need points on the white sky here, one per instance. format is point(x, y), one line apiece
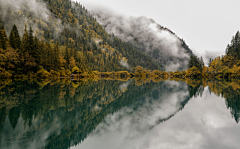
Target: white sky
point(206, 25)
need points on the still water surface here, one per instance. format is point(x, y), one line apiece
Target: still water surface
point(110, 114)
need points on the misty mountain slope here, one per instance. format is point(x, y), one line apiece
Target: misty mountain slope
point(149, 37)
point(69, 23)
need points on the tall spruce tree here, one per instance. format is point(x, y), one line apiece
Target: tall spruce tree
point(17, 37)
point(209, 63)
point(25, 43)
point(56, 57)
point(67, 57)
point(31, 49)
point(3, 38)
point(12, 40)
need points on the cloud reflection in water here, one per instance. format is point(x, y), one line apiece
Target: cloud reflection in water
point(204, 123)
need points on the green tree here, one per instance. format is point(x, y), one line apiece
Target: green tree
point(25, 41)
point(233, 49)
point(17, 37)
point(3, 38)
point(30, 47)
point(14, 38)
point(56, 57)
point(67, 57)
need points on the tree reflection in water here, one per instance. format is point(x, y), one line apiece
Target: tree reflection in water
point(62, 113)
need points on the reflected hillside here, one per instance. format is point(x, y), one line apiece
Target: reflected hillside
point(62, 113)
point(56, 111)
point(230, 90)
point(133, 123)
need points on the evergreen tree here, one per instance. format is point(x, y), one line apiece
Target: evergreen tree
point(233, 49)
point(12, 39)
point(25, 41)
point(209, 63)
point(17, 37)
point(195, 61)
point(37, 50)
point(3, 38)
point(201, 62)
point(67, 57)
point(31, 43)
point(47, 56)
point(56, 57)
point(191, 62)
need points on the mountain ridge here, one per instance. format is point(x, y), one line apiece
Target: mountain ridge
point(159, 42)
point(69, 27)
point(62, 37)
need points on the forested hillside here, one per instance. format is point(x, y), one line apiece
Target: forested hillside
point(224, 66)
point(227, 65)
point(157, 41)
point(60, 37)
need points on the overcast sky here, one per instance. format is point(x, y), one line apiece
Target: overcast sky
point(206, 25)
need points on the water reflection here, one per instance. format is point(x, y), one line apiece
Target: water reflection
point(230, 90)
point(116, 114)
point(61, 113)
point(204, 123)
point(133, 126)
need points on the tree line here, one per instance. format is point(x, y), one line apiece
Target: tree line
point(225, 66)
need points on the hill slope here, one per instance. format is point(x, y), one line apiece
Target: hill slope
point(82, 40)
point(149, 37)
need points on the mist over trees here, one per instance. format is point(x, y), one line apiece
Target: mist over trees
point(225, 66)
point(149, 37)
point(63, 37)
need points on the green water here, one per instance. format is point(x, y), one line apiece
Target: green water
point(110, 114)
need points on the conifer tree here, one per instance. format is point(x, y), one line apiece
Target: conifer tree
point(202, 62)
point(25, 43)
point(12, 40)
point(75, 53)
point(56, 57)
point(209, 63)
point(31, 44)
point(191, 62)
point(37, 49)
point(3, 38)
point(195, 61)
point(47, 56)
point(17, 37)
point(233, 49)
point(67, 57)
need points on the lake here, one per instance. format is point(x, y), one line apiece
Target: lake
point(114, 114)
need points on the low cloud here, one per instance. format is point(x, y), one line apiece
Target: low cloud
point(34, 13)
point(145, 34)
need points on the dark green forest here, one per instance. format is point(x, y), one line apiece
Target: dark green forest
point(70, 41)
